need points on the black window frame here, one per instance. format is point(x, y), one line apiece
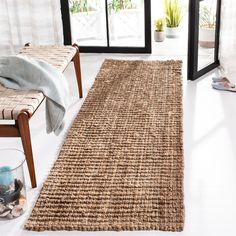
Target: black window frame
point(108, 49)
point(193, 72)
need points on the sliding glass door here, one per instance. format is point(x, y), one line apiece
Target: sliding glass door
point(204, 28)
point(88, 22)
point(126, 23)
point(108, 25)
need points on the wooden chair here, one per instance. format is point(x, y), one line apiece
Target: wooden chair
point(20, 106)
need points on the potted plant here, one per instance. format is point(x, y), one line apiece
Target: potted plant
point(159, 34)
point(207, 27)
point(173, 12)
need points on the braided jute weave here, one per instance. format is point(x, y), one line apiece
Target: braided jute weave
point(121, 166)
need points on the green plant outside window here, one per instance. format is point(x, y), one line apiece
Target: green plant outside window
point(77, 6)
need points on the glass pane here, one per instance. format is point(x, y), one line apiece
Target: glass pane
point(207, 32)
point(88, 22)
point(126, 23)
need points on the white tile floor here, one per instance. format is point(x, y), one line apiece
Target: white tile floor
point(210, 155)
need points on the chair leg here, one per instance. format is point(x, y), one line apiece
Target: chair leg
point(76, 61)
point(23, 124)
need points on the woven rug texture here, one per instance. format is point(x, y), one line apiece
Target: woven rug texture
point(121, 165)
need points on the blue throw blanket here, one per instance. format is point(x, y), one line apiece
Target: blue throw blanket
point(20, 72)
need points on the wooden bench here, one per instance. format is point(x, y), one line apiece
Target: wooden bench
point(20, 106)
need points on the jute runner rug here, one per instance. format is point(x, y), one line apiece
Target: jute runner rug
point(121, 166)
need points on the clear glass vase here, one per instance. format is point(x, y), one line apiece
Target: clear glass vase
point(12, 184)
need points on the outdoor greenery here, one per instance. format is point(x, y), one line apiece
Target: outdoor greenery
point(80, 6)
point(117, 5)
point(160, 24)
point(113, 5)
point(173, 13)
point(207, 17)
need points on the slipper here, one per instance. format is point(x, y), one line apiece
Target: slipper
point(224, 86)
point(223, 79)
